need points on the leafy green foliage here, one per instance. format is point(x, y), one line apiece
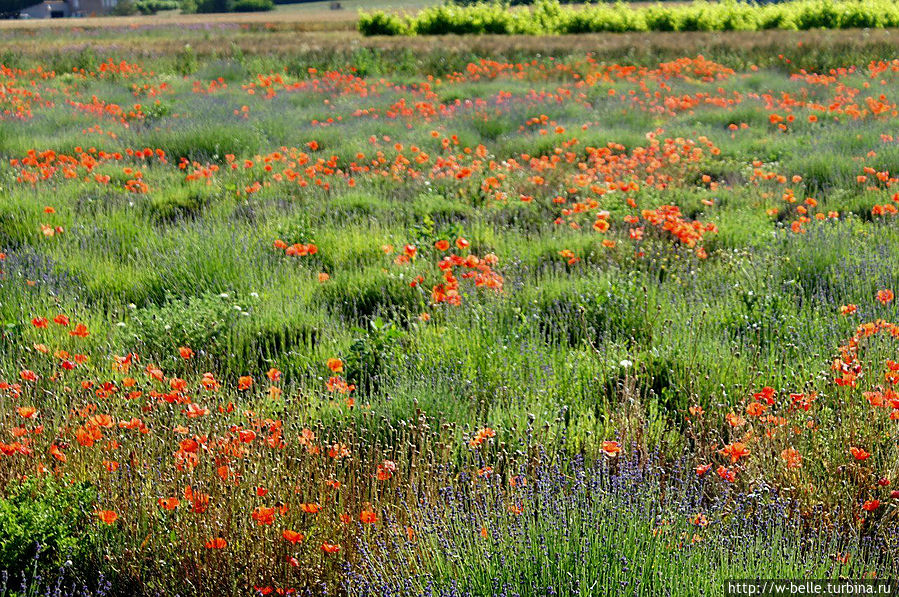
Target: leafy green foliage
point(44, 524)
point(151, 7)
point(550, 17)
point(374, 353)
point(252, 5)
point(200, 321)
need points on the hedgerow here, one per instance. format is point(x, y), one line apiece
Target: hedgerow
point(550, 17)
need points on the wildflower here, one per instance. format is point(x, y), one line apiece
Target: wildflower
point(27, 412)
point(791, 457)
point(756, 409)
point(766, 394)
point(386, 470)
point(871, 505)
point(848, 309)
point(330, 548)
point(168, 503)
point(263, 515)
point(735, 451)
point(481, 436)
point(726, 474)
point(735, 420)
point(611, 448)
point(107, 516)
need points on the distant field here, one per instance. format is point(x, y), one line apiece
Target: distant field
point(305, 16)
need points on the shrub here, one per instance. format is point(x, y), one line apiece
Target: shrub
point(252, 5)
point(551, 17)
point(46, 524)
point(198, 321)
point(382, 23)
point(151, 7)
point(215, 5)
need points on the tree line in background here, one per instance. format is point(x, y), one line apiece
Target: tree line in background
point(193, 6)
point(11, 9)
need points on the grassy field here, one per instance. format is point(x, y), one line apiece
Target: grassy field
point(292, 312)
point(304, 16)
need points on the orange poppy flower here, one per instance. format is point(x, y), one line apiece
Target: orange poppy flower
point(216, 543)
point(330, 548)
point(263, 515)
point(611, 448)
point(859, 453)
point(791, 458)
point(871, 505)
point(80, 331)
point(27, 412)
point(311, 508)
point(168, 503)
point(735, 451)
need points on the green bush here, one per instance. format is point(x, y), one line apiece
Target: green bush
point(215, 6)
point(196, 322)
point(47, 524)
point(548, 17)
point(382, 23)
point(151, 7)
point(252, 5)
